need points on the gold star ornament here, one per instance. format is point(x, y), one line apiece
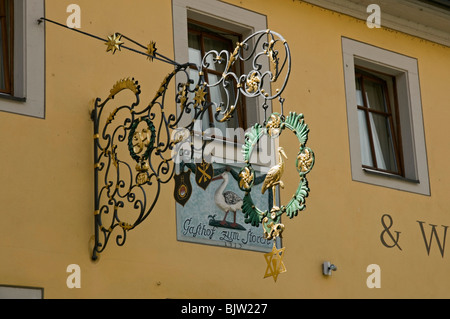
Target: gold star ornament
point(114, 42)
point(275, 265)
point(151, 50)
point(200, 96)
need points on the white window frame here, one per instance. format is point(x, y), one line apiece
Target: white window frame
point(405, 71)
point(225, 16)
point(29, 61)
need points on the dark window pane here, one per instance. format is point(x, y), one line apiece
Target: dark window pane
point(375, 96)
point(383, 142)
point(366, 153)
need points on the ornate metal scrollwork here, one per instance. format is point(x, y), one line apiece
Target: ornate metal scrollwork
point(129, 134)
point(260, 46)
point(149, 139)
point(136, 147)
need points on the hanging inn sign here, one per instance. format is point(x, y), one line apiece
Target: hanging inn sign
point(139, 149)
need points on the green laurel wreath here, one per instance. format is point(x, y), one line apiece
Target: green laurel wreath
point(255, 216)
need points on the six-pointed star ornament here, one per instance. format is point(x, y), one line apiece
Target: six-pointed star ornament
point(275, 265)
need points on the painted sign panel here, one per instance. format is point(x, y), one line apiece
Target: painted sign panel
point(213, 215)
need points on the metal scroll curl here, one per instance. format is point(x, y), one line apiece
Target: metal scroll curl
point(255, 50)
point(134, 152)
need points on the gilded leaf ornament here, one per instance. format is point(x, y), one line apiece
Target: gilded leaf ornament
point(247, 177)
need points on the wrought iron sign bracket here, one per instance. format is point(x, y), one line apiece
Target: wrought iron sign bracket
point(136, 147)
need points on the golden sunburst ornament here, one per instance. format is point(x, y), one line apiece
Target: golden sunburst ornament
point(114, 42)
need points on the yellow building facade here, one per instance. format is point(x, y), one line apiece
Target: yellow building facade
point(384, 231)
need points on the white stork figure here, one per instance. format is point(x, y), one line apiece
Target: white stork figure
point(227, 200)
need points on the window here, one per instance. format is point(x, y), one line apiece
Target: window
point(22, 57)
point(6, 50)
point(378, 128)
point(384, 114)
point(201, 39)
